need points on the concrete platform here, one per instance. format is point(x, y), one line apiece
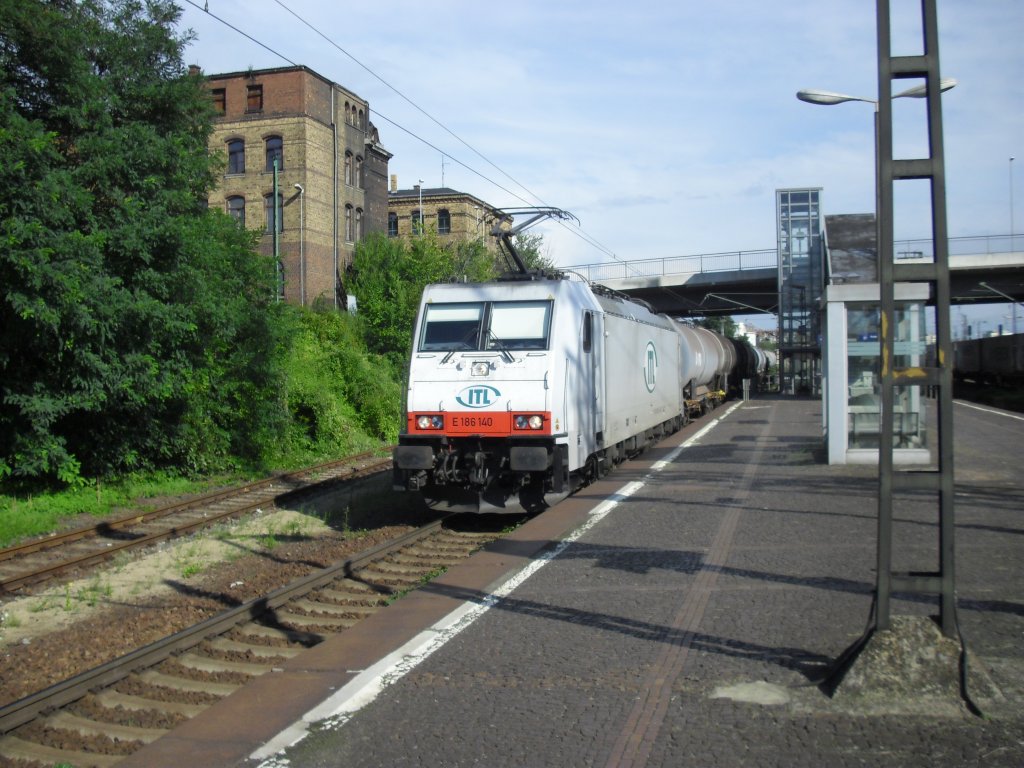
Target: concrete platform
point(679, 612)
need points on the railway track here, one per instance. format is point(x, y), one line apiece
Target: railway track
point(99, 717)
point(42, 560)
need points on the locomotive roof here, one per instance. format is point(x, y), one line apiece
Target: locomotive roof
point(591, 297)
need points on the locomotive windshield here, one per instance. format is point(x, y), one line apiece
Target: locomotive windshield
point(519, 325)
point(505, 325)
point(448, 327)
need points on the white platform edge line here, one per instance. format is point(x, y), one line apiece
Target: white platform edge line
point(341, 706)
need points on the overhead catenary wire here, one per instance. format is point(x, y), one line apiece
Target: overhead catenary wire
point(414, 105)
point(578, 231)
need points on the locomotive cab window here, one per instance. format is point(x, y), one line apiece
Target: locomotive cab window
point(519, 325)
point(448, 327)
point(500, 325)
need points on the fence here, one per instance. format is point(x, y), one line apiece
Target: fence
point(767, 258)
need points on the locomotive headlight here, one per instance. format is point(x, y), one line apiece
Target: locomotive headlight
point(430, 422)
point(524, 421)
point(481, 369)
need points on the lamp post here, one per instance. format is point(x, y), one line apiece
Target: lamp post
point(828, 98)
point(1011, 204)
point(420, 189)
point(302, 243)
point(279, 288)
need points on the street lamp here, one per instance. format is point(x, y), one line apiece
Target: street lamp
point(1011, 204)
point(814, 96)
point(302, 244)
point(828, 98)
point(420, 189)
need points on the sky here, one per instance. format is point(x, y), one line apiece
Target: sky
point(664, 128)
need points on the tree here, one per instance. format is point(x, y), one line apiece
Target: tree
point(722, 324)
point(530, 249)
point(133, 322)
point(388, 277)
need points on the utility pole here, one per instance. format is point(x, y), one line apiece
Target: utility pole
point(276, 237)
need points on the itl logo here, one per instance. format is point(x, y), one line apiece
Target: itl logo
point(479, 396)
point(651, 366)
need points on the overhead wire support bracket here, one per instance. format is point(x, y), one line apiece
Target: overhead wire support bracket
point(503, 231)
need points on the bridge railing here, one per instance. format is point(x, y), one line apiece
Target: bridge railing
point(731, 261)
point(767, 258)
point(972, 245)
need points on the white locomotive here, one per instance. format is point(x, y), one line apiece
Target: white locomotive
point(521, 390)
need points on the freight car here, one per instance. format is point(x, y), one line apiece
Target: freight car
point(990, 360)
point(521, 390)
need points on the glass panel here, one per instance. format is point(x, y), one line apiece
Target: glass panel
point(801, 281)
point(236, 156)
point(863, 372)
point(451, 327)
point(254, 98)
point(520, 325)
point(236, 208)
point(275, 150)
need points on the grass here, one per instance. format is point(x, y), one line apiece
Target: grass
point(424, 579)
point(189, 559)
point(91, 593)
point(24, 516)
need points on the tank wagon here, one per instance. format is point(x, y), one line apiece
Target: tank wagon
point(522, 390)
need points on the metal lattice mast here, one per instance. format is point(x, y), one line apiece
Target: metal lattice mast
point(931, 168)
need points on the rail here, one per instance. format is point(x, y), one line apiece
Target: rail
point(40, 560)
point(60, 694)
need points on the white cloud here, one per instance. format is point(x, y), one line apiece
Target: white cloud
point(665, 127)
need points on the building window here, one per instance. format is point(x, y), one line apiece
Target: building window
point(348, 168)
point(417, 222)
point(254, 98)
point(220, 100)
point(359, 224)
point(392, 224)
point(444, 222)
point(359, 172)
point(236, 156)
point(271, 213)
point(348, 223)
point(360, 123)
point(275, 149)
point(236, 209)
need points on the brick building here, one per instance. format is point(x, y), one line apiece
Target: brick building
point(332, 172)
point(455, 216)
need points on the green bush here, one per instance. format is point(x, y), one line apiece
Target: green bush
point(339, 398)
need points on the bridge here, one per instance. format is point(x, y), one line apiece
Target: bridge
point(743, 282)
